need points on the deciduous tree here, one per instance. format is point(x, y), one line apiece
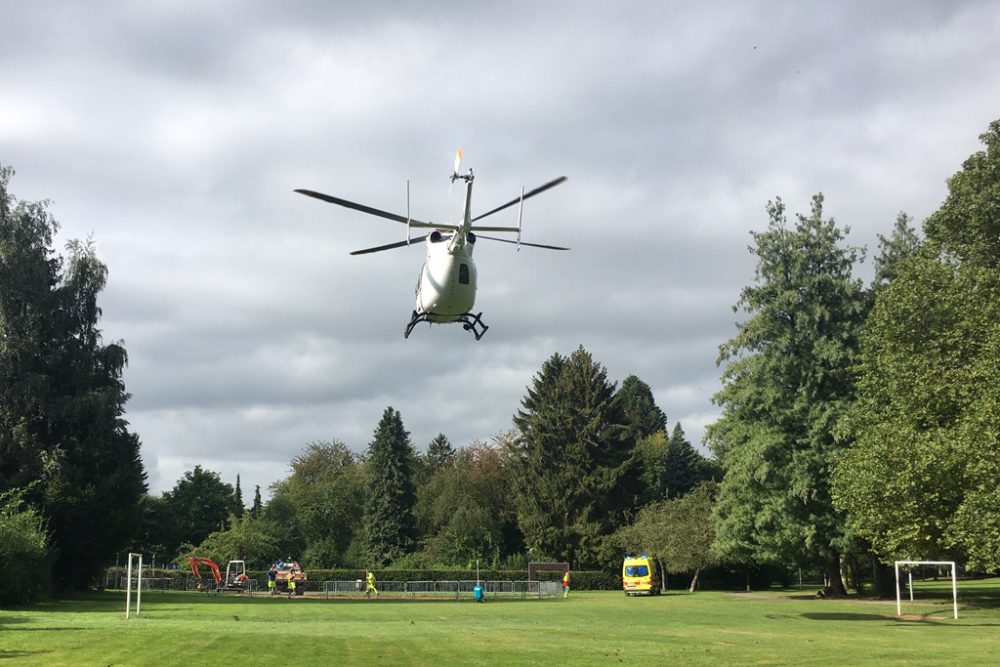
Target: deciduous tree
point(465, 510)
point(62, 397)
point(198, 505)
point(326, 490)
point(920, 479)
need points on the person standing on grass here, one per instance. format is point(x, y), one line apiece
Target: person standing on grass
point(291, 585)
point(370, 588)
point(566, 584)
point(271, 574)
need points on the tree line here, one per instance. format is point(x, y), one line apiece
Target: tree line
point(584, 455)
point(859, 424)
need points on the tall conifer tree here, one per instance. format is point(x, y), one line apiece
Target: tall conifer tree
point(787, 382)
point(389, 526)
point(575, 479)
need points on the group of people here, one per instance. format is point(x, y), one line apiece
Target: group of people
point(292, 567)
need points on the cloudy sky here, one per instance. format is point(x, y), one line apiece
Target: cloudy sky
point(175, 132)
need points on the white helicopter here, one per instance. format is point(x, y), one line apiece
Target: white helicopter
point(446, 287)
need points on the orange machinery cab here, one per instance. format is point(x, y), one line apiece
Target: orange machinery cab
point(639, 576)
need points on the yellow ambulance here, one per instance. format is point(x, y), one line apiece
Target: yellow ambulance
point(639, 576)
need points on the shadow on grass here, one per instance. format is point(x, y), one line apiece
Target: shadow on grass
point(11, 620)
point(47, 628)
point(848, 616)
point(14, 655)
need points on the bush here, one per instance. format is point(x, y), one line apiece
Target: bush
point(24, 551)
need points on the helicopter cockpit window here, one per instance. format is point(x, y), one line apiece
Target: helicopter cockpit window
point(463, 274)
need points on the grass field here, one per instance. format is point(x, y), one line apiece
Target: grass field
point(774, 628)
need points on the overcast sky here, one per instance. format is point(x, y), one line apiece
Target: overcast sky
point(175, 132)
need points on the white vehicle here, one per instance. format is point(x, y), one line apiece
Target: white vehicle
point(446, 287)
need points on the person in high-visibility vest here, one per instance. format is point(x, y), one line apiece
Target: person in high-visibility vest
point(291, 585)
point(271, 575)
point(370, 588)
point(566, 584)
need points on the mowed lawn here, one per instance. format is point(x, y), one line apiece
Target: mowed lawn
point(603, 628)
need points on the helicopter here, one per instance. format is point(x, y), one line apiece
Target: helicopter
point(446, 286)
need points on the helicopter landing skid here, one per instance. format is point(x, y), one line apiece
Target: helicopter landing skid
point(470, 322)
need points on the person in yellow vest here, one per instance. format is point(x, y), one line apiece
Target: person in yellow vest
point(566, 584)
point(271, 575)
point(291, 585)
point(370, 588)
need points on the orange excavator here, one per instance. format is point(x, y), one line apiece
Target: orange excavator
point(236, 579)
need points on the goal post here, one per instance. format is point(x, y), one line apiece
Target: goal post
point(137, 558)
point(535, 566)
point(954, 582)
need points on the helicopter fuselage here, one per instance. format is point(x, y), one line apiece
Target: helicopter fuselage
point(446, 288)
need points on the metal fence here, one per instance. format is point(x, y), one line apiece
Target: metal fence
point(442, 589)
point(173, 584)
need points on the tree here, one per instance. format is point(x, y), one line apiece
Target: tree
point(390, 529)
point(439, 453)
point(683, 467)
point(572, 465)
point(326, 490)
point(62, 398)
point(895, 249)
point(24, 548)
point(641, 412)
point(258, 505)
point(679, 533)
point(919, 480)
point(647, 425)
point(465, 510)
point(650, 453)
point(247, 538)
point(238, 498)
point(199, 505)
point(787, 382)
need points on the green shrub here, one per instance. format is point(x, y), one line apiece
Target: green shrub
point(24, 552)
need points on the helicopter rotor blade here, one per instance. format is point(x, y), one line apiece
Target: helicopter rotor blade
point(390, 246)
point(533, 245)
point(540, 189)
point(364, 209)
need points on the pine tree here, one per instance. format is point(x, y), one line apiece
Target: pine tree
point(439, 453)
point(683, 466)
point(257, 506)
point(238, 506)
point(574, 473)
point(641, 412)
point(389, 526)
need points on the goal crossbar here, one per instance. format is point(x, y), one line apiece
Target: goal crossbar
point(954, 582)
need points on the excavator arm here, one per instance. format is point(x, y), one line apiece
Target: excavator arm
point(210, 564)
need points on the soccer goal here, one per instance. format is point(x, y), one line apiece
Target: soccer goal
point(909, 573)
point(137, 558)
